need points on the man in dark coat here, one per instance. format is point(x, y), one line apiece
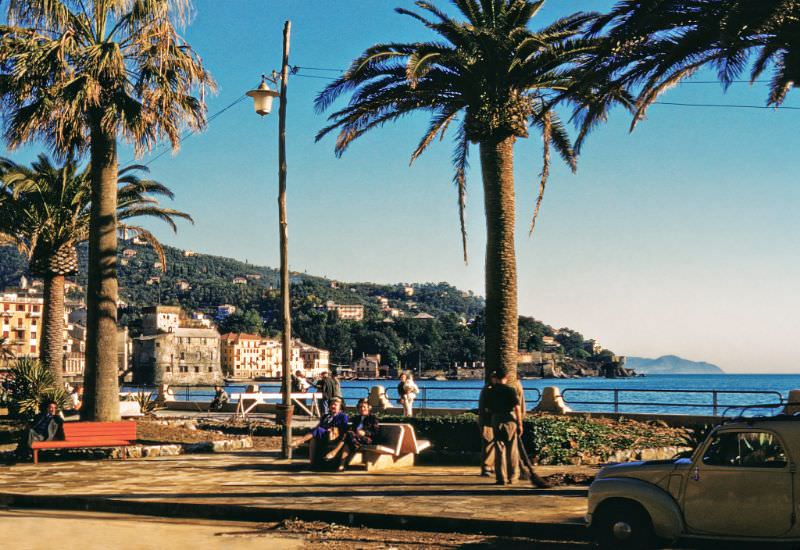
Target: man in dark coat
point(506, 413)
point(485, 428)
point(47, 426)
point(328, 388)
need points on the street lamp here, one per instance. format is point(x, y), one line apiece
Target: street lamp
point(262, 101)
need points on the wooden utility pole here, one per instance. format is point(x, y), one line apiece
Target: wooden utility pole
point(286, 388)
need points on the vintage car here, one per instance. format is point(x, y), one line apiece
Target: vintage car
point(740, 484)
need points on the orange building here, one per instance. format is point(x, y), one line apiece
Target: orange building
point(20, 322)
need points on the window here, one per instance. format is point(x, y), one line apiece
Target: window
point(168, 369)
point(746, 450)
point(197, 369)
point(183, 356)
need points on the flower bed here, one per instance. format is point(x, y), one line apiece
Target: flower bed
point(550, 439)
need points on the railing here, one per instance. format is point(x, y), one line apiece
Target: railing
point(714, 404)
point(434, 397)
point(428, 396)
point(617, 400)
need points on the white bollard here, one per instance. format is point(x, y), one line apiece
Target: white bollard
point(793, 404)
point(552, 401)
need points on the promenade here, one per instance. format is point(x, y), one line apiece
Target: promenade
point(258, 486)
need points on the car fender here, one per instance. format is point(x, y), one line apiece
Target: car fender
point(662, 508)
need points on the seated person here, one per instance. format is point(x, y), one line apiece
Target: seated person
point(331, 428)
point(220, 398)
point(47, 426)
point(363, 431)
point(76, 400)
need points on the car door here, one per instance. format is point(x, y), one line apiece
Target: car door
point(740, 485)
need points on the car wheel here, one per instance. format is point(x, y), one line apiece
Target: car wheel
point(623, 525)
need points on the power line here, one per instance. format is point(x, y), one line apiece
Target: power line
point(189, 133)
point(725, 106)
point(299, 68)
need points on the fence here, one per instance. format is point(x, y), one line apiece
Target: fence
point(695, 400)
point(617, 400)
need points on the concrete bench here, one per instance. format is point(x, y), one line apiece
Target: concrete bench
point(90, 435)
point(395, 446)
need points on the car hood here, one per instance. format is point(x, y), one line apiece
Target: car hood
point(653, 471)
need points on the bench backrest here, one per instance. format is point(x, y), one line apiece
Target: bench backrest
point(391, 436)
point(409, 442)
point(92, 431)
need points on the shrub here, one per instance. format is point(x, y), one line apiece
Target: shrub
point(551, 439)
point(31, 387)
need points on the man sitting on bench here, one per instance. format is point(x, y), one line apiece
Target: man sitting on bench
point(47, 426)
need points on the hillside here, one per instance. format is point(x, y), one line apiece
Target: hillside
point(671, 364)
point(199, 282)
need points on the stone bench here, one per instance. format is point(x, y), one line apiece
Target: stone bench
point(395, 446)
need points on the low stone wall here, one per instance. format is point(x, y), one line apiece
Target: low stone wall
point(150, 451)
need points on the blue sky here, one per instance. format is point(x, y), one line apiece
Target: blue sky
point(679, 238)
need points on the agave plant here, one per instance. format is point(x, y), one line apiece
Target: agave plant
point(146, 402)
point(31, 387)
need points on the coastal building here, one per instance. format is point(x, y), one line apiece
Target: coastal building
point(157, 319)
point(175, 349)
point(182, 356)
point(128, 253)
point(20, 321)
point(188, 253)
point(248, 356)
point(224, 311)
point(315, 360)
point(408, 290)
point(239, 280)
point(424, 316)
point(182, 285)
point(346, 312)
point(368, 366)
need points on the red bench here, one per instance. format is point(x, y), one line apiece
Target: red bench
point(90, 434)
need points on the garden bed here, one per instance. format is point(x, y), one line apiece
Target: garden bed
point(549, 439)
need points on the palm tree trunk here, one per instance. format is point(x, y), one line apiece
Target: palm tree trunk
point(101, 393)
point(51, 352)
point(497, 166)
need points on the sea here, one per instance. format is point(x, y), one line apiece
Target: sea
point(719, 394)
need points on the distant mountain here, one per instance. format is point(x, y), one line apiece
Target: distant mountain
point(670, 364)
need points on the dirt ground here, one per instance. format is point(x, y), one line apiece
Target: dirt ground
point(156, 432)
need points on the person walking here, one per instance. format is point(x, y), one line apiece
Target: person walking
point(506, 413)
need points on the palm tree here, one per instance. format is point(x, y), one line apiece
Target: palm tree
point(46, 211)
point(77, 75)
point(494, 78)
point(654, 44)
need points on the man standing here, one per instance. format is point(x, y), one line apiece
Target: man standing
point(485, 428)
point(506, 413)
point(327, 387)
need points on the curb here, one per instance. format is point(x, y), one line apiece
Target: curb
point(232, 512)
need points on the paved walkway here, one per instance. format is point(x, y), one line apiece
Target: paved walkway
point(258, 486)
point(38, 529)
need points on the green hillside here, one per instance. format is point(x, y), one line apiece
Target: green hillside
point(454, 335)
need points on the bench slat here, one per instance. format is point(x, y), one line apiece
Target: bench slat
point(76, 444)
point(116, 430)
